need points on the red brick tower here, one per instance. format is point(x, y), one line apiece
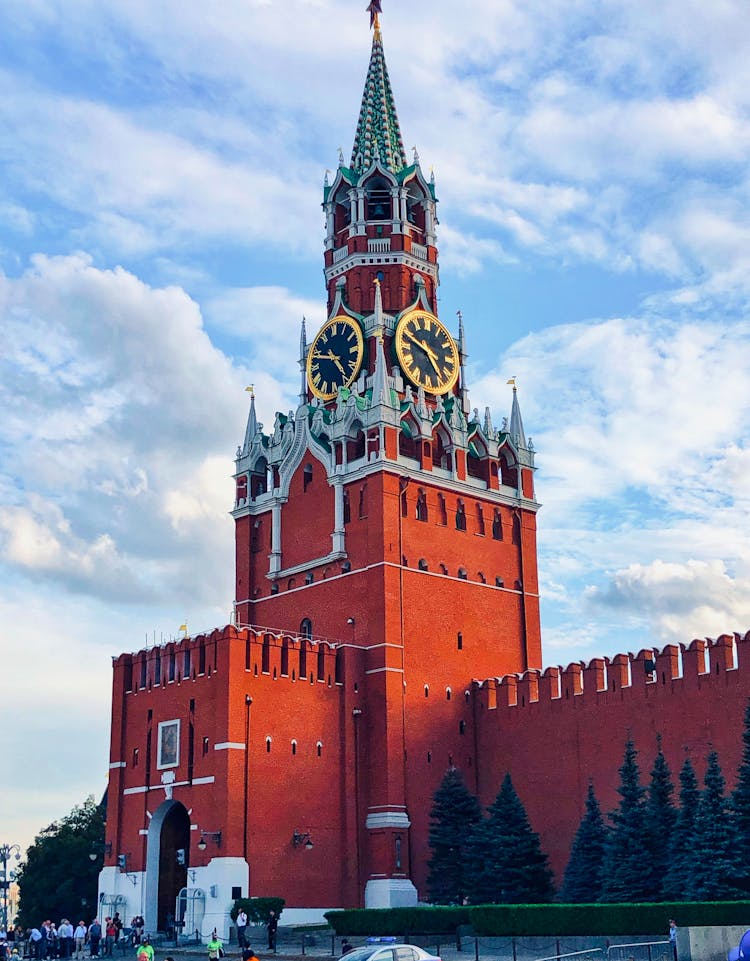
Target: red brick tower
point(385, 516)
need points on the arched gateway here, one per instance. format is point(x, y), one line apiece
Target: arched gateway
point(167, 852)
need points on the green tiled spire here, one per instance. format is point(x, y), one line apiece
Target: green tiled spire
point(378, 134)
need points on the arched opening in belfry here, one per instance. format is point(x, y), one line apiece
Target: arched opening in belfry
point(378, 196)
point(167, 861)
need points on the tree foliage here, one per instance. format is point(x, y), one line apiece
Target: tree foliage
point(506, 864)
point(583, 875)
point(660, 821)
point(57, 878)
point(714, 841)
point(454, 815)
point(627, 844)
point(681, 853)
point(741, 809)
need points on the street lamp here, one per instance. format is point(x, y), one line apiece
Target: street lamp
point(6, 850)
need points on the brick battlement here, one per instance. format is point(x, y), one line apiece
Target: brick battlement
point(642, 673)
point(268, 652)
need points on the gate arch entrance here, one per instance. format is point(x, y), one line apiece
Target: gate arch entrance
point(168, 833)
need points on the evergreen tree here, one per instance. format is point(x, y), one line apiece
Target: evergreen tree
point(627, 858)
point(455, 812)
point(660, 820)
point(714, 842)
point(583, 876)
point(681, 850)
point(741, 809)
point(505, 861)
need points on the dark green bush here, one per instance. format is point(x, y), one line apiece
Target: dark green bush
point(398, 921)
point(609, 920)
point(553, 920)
point(257, 909)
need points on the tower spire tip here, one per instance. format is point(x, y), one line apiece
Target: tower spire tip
point(374, 9)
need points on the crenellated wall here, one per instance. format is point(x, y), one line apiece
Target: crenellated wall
point(556, 730)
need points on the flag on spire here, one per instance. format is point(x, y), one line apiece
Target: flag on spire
point(374, 9)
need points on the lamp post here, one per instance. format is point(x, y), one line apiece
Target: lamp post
point(6, 851)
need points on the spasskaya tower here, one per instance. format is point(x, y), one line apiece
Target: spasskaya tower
point(382, 517)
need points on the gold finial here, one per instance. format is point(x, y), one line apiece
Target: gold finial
point(251, 390)
point(512, 381)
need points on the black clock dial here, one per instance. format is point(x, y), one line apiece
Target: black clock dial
point(335, 357)
point(426, 352)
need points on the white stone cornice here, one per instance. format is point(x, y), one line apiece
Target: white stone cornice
point(308, 565)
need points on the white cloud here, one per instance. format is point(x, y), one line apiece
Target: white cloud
point(267, 320)
point(122, 417)
point(694, 599)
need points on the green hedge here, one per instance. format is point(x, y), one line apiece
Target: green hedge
point(398, 921)
point(553, 920)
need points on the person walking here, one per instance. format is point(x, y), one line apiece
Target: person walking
point(138, 925)
point(273, 924)
point(80, 939)
point(215, 947)
point(35, 941)
point(110, 936)
point(144, 952)
point(95, 936)
point(67, 938)
point(241, 928)
point(673, 937)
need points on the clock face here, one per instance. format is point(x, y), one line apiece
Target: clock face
point(335, 357)
point(426, 352)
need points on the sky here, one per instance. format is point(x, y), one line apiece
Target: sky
point(161, 237)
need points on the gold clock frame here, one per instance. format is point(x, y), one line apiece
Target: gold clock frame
point(450, 383)
point(347, 321)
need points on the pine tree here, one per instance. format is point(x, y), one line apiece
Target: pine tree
point(583, 876)
point(506, 863)
point(455, 812)
point(741, 809)
point(714, 847)
point(660, 820)
point(681, 852)
point(627, 859)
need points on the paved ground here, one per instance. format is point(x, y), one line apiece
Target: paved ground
point(324, 945)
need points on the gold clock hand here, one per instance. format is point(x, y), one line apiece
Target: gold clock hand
point(337, 361)
point(330, 356)
point(432, 356)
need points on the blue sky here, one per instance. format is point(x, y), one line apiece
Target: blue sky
point(161, 236)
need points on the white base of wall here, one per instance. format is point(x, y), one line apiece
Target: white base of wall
point(390, 893)
point(120, 891)
point(213, 883)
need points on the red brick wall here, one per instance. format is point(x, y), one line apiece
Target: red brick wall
point(553, 745)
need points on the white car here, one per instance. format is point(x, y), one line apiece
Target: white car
point(389, 952)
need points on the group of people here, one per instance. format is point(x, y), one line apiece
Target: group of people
point(49, 941)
